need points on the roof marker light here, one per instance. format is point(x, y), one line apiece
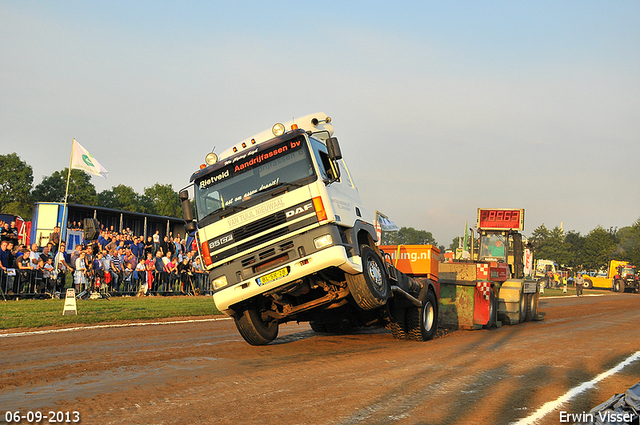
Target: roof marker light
point(278, 129)
point(294, 126)
point(211, 158)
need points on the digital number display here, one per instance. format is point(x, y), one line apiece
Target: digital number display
point(501, 219)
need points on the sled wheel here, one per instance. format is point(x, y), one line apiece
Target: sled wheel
point(493, 311)
point(523, 306)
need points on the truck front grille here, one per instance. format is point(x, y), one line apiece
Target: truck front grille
point(259, 226)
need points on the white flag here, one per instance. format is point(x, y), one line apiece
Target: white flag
point(81, 159)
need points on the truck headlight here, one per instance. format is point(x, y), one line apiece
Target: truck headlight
point(220, 282)
point(323, 241)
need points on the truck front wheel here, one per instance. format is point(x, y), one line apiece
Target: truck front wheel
point(369, 289)
point(253, 329)
point(422, 322)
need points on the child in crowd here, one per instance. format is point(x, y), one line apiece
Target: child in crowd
point(79, 274)
point(47, 274)
point(128, 278)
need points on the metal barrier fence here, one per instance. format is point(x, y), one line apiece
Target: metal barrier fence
point(34, 284)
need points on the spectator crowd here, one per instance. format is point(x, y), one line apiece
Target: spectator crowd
point(116, 263)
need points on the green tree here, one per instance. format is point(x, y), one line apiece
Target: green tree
point(123, 197)
point(575, 247)
point(53, 187)
point(628, 247)
point(634, 254)
point(455, 243)
point(538, 238)
point(164, 200)
point(598, 248)
point(16, 180)
point(550, 245)
point(408, 236)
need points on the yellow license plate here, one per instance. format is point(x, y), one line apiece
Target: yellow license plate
point(278, 274)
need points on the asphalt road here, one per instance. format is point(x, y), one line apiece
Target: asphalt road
point(203, 372)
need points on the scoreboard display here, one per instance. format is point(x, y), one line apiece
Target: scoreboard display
point(500, 219)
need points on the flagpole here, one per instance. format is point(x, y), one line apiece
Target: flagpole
point(66, 192)
point(63, 226)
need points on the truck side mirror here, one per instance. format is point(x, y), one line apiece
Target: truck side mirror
point(334, 154)
point(333, 149)
point(187, 213)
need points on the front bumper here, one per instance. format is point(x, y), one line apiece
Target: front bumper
point(335, 256)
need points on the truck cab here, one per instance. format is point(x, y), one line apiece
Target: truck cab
point(284, 235)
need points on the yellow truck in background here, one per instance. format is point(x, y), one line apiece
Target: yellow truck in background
point(620, 277)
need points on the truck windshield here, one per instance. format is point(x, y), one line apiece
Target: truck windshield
point(628, 271)
point(493, 248)
point(242, 177)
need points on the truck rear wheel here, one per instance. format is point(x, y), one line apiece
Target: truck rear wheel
point(398, 324)
point(588, 284)
point(318, 327)
point(422, 322)
point(370, 288)
point(253, 329)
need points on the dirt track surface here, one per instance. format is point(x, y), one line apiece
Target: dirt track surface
point(203, 372)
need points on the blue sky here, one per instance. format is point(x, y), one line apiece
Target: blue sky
point(440, 107)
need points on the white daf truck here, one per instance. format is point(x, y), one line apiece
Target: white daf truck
point(285, 237)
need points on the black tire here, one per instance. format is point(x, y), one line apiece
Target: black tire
point(523, 306)
point(342, 328)
point(398, 324)
point(493, 311)
point(370, 289)
point(623, 285)
point(588, 284)
point(253, 329)
point(422, 322)
point(531, 307)
point(318, 327)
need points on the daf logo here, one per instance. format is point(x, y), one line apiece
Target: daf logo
point(299, 210)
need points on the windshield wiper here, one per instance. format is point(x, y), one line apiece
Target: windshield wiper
point(280, 185)
point(222, 212)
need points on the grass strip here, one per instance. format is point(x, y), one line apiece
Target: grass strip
point(40, 313)
point(571, 290)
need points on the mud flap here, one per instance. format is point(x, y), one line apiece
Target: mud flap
point(482, 303)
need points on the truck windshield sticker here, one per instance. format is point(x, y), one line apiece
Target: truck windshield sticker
point(260, 170)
